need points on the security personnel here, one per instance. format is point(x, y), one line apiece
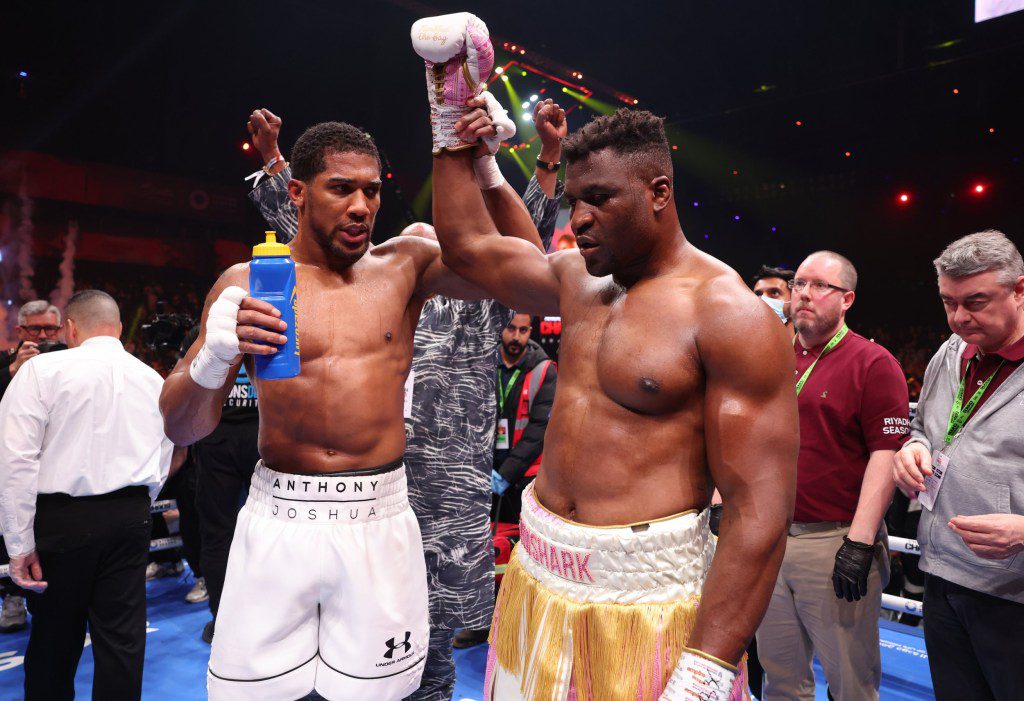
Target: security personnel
point(525, 393)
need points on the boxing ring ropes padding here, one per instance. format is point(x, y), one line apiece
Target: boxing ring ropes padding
point(154, 545)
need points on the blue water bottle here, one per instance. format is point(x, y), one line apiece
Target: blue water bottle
point(272, 279)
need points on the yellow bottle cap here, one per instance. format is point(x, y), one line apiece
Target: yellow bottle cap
point(271, 247)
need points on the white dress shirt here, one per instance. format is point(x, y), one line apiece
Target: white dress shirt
point(83, 421)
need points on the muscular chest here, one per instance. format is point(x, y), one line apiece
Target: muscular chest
point(636, 348)
point(355, 319)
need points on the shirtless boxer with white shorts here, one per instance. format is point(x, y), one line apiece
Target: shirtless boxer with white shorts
point(325, 587)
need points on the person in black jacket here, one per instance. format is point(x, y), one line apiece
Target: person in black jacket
point(525, 393)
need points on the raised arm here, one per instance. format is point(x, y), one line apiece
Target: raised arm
point(533, 217)
point(194, 392)
point(512, 270)
point(270, 187)
point(752, 437)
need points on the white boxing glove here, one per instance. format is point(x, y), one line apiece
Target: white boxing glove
point(220, 349)
point(699, 677)
point(459, 57)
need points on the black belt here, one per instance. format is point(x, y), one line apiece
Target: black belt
point(797, 528)
point(123, 493)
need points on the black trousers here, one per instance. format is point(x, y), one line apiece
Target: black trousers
point(225, 461)
point(93, 555)
point(974, 643)
point(182, 488)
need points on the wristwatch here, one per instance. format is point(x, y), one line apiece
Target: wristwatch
point(545, 165)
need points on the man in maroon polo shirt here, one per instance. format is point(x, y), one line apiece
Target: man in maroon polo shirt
point(853, 403)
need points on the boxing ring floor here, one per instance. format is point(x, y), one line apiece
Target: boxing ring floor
point(176, 657)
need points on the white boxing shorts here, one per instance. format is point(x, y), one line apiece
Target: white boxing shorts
point(326, 589)
point(596, 613)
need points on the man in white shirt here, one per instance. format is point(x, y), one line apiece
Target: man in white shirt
point(82, 454)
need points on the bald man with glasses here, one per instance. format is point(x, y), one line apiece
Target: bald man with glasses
point(853, 403)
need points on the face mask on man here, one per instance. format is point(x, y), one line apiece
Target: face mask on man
point(777, 306)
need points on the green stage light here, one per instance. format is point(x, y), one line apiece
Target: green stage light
point(519, 162)
point(593, 103)
point(421, 203)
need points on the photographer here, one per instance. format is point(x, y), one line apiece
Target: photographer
point(38, 324)
point(38, 329)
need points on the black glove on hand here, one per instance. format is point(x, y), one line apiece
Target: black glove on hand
point(850, 575)
point(715, 518)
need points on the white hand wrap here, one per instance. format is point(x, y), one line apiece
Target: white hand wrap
point(504, 126)
point(697, 677)
point(487, 173)
point(210, 367)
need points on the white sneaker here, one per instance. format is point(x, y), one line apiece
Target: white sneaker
point(156, 570)
point(198, 594)
point(13, 617)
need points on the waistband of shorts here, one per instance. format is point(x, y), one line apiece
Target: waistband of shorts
point(328, 499)
point(660, 561)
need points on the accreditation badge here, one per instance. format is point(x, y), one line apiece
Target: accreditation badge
point(933, 482)
point(501, 441)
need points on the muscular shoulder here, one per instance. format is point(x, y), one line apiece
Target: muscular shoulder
point(237, 275)
point(726, 306)
point(737, 334)
point(416, 251)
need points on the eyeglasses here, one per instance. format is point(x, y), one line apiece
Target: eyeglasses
point(818, 287)
point(40, 329)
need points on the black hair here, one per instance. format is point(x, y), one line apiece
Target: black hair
point(769, 271)
point(307, 159)
point(634, 133)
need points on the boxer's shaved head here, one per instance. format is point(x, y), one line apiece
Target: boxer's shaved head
point(309, 152)
point(635, 134)
point(92, 312)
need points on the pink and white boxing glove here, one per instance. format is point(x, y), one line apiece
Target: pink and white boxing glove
point(459, 57)
point(697, 676)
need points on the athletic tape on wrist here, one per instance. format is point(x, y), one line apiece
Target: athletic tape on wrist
point(210, 367)
point(487, 173)
point(699, 676)
point(208, 370)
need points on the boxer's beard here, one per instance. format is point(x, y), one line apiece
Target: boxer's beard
point(338, 255)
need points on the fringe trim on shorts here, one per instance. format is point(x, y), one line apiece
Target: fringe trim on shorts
point(626, 651)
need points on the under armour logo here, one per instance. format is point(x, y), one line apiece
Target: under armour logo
point(824, 395)
point(392, 645)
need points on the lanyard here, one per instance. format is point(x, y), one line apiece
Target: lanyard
point(503, 393)
point(960, 412)
point(840, 335)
